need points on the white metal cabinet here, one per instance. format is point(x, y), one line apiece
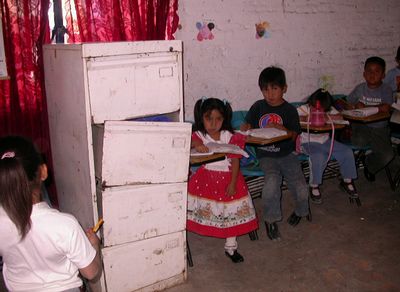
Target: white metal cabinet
point(91, 90)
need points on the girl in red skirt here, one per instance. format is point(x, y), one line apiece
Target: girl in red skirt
point(219, 203)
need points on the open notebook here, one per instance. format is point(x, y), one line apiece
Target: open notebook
point(220, 148)
point(266, 133)
point(361, 112)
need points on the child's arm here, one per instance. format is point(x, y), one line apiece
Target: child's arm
point(384, 108)
point(245, 127)
point(198, 144)
point(93, 270)
point(231, 189)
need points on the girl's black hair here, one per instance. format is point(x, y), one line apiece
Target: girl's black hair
point(19, 165)
point(204, 106)
point(324, 97)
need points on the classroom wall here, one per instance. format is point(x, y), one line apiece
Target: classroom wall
point(312, 40)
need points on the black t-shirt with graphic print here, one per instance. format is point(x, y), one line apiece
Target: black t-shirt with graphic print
point(261, 114)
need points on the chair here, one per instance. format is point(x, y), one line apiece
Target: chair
point(394, 180)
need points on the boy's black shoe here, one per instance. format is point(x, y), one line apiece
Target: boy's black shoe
point(272, 231)
point(235, 257)
point(368, 175)
point(294, 219)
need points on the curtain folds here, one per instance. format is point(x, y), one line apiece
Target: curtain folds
point(23, 109)
point(120, 20)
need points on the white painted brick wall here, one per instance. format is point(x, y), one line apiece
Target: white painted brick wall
point(309, 38)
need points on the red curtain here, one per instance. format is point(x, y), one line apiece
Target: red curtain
point(23, 108)
point(120, 20)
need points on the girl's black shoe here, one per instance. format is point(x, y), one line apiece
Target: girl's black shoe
point(315, 199)
point(235, 257)
point(349, 188)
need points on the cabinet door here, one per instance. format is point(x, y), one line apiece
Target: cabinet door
point(134, 213)
point(159, 261)
point(141, 152)
point(128, 86)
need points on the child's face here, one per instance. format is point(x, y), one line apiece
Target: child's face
point(273, 94)
point(212, 121)
point(373, 75)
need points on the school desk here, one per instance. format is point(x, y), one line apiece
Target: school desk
point(368, 119)
point(196, 160)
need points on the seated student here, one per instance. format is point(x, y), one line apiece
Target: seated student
point(278, 160)
point(373, 92)
point(42, 248)
point(318, 147)
point(392, 77)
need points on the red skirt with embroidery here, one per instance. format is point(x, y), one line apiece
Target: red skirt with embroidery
point(213, 213)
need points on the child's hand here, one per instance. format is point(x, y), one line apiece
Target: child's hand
point(201, 148)
point(94, 240)
point(303, 118)
point(276, 126)
point(231, 190)
point(245, 127)
point(359, 105)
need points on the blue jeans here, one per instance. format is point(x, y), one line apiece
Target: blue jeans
point(275, 170)
point(318, 154)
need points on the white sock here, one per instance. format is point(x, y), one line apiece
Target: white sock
point(231, 245)
point(349, 184)
point(315, 190)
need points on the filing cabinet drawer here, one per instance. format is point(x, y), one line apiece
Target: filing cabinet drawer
point(159, 261)
point(140, 212)
point(141, 152)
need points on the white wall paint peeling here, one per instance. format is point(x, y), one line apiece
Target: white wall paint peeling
point(308, 39)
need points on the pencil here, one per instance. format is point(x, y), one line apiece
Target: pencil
point(98, 225)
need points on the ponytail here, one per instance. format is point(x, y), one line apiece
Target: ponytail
point(15, 194)
point(19, 165)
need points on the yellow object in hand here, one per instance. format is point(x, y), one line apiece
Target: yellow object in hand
point(98, 225)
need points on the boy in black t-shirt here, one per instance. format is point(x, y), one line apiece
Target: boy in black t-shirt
point(278, 160)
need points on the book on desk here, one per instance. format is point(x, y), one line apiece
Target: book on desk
point(361, 112)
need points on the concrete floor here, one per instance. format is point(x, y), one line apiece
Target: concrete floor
point(344, 248)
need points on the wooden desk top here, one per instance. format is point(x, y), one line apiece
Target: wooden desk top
point(324, 128)
point(372, 118)
point(263, 141)
point(195, 160)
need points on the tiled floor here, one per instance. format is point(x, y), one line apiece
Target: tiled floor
point(344, 248)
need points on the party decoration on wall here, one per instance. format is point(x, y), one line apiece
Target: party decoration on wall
point(326, 82)
point(262, 30)
point(205, 31)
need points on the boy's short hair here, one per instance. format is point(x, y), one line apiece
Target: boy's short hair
point(272, 76)
point(398, 54)
point(375, 60)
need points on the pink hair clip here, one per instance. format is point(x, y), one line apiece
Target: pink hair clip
point(8, 154)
